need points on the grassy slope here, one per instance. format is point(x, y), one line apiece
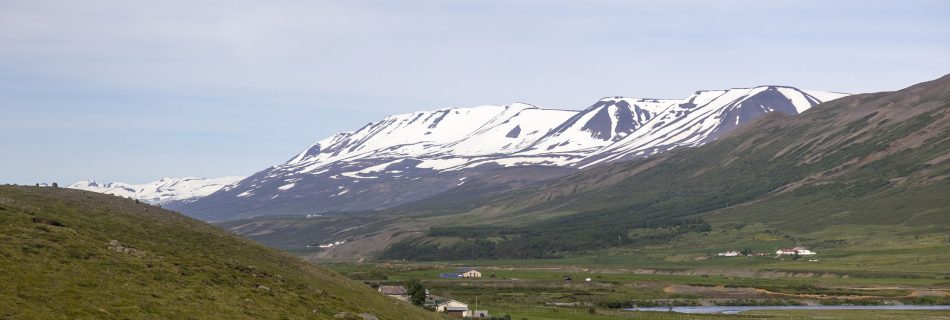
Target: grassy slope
point(862, 179)
point(862, 190)
point(56, 261)
point(876, 160)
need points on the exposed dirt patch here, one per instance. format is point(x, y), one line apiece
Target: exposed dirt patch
point(720, 292)
point(370, 245)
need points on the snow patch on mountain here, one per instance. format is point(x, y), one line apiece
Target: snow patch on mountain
point(162, 191)
point(706, 115)
point(411, 156)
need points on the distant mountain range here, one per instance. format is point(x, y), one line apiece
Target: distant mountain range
point(408, 157)
point(846, 174)
point(163, 191)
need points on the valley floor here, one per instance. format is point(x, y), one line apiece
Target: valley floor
point(529, 291)
point(558, 288)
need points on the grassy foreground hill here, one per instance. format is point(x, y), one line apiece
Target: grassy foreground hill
point(70, 254)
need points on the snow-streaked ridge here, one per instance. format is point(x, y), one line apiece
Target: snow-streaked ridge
point(161, 191)
point(522, 134)
point(706, 115)
point(413, 155)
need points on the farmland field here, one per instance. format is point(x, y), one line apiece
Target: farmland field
point(664, 276)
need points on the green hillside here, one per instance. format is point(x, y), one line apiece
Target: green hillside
point(863, 176)
point(69, 254)
point(880, 160)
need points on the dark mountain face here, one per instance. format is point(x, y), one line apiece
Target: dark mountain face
point(743, 111)
point(600, 125)
point(612, 120)
point(638, 117)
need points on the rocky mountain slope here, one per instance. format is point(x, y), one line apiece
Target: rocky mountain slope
point(163, 191)
point(72, 254)
point(869, 160)
point(849, 172)
point(409, 157)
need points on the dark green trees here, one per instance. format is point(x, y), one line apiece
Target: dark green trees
point(416, 292)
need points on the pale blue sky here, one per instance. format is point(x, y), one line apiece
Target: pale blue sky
point(136, 90)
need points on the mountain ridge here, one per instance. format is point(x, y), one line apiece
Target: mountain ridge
point(872, 160)
point(162, 191)
point(410, 156)
point(841, 175)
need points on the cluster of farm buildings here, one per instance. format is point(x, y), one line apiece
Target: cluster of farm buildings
point(452, 308)
point(802, 251)
point(457, 309)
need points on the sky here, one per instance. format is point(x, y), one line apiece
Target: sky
point(134, 91)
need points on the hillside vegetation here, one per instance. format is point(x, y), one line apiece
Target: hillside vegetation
point(70, 254)
point(873, 159)
point(865, 176)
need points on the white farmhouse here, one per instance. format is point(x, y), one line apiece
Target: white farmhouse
point(469, 273)
point(802, 251)
point(453, 308)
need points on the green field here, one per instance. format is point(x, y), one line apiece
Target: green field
point(540, 291)
point(584, 314)
point(888, 270)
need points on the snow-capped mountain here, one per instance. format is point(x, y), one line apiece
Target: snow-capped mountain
point(705, 116)
point(603, 123)
point(163, 191)
point(411, 156)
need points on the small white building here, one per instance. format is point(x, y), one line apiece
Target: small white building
point(453, 308)
point(802, 251)
point(469, 273)
point(450, 304)
point(728, 254)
